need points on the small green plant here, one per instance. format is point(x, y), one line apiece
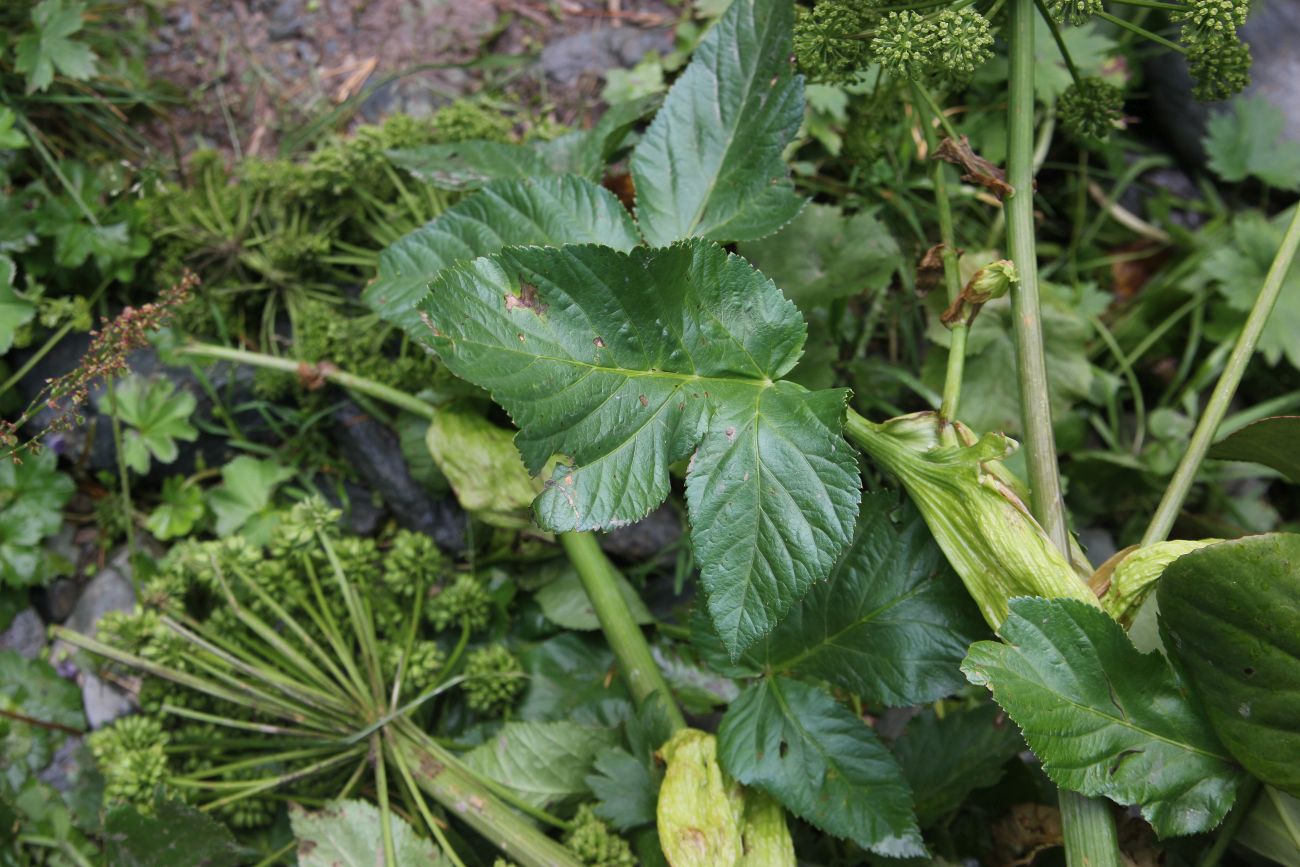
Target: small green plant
point(156, 417)
point(32, 496)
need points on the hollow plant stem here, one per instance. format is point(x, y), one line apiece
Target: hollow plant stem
point(948, 238)
point(442, 776)
point(635, 661)
point(1217, 406)
point(1087, 825)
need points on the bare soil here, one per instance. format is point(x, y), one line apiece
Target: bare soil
point(256, 75)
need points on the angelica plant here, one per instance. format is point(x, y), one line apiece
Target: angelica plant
point(299, 660)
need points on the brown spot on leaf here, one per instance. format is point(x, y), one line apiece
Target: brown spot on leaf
point(600, 344)
point(977, 169)
point(645, 401)
point(527, 299)
point(430, 767)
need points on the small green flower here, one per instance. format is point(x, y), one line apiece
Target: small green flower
point(595, 845)
point(828, 43)
point(1220, 66)
point(1074, 12)
point(1091, 109)
point(493, 679)
point(957, 42)
point(1216, 16)
point(465, 603)
point(412, 560)
point(900, 44)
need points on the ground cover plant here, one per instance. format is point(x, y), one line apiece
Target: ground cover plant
point(921, 429)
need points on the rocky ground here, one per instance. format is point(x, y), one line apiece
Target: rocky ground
point(258, 75)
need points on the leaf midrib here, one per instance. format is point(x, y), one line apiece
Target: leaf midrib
point(1124, 722)
point(631, 373)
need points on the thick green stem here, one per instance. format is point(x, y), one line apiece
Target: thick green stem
point(951, 276)
point(1206, 429)
point(1087, 825)
point(624, 635)
point(442, 777)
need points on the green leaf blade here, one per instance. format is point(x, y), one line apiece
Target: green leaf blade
point(739, 105)
point(824, 764)
point(1105, 719)
point(1273, 442)
point(1231, 614)
point(350, 834)
point(548, 211)
point(544, 763)
point(891, 624)
point(628, 363)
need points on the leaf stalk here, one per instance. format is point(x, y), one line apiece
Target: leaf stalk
point(1087, 825)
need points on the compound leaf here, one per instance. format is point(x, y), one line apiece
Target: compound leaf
point(158, 416)
point(1248, 139)
point(891, 624)
point(1105, 718)
point(48, 48)
point(1231, 615)
point(710, 164)
point(1273, 442)
point(540, 211)
point(544, 763)
point(629, 363)
point(245, 492)
point(826, 766)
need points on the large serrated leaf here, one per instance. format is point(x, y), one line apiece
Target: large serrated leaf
point(543, 763)
point(542, 211)
point(1230, 613)
point(629, 363)
point(825, 765)
point(710, 164)
point(891, 624)
point(1104, 718)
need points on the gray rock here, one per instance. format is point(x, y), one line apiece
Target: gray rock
point(110, 590)
point(58, 599)
point(25, 635)
point(654, 536)
point(1273, 31)
point(593, 52)
point(282, 30)
point(377, 457)
point(361, 515)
